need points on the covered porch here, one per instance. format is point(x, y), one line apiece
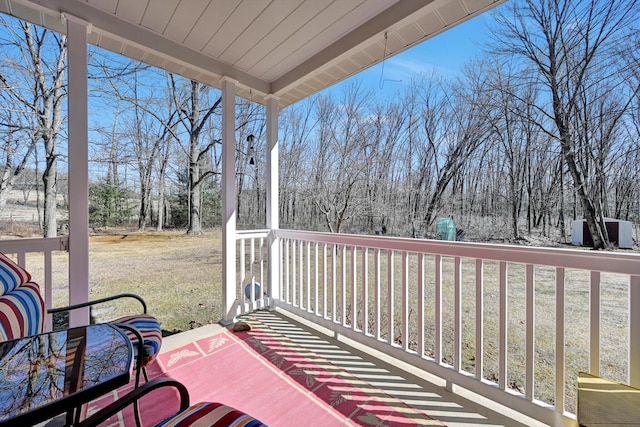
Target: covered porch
point(404, 299)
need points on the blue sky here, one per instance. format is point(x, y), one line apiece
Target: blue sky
point(445, 54)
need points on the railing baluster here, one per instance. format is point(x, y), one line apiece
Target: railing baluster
point(287, 257)
point(420, 303)
point(252, 275)
point(530, 331)
point(261, 248)
point(294, 273)
point(594, 323)
point(334, 263)
point(301, 274)
point(308, 268)
point(405, 300)
point(390, 297)
point(634, 331)
point(479, 319)
point(316, 284)
point(457, 310)
point(560, 339)
point(365, 290)
point(377, 294)
point(354, 290)
point(503, 316)
point(438, 312)
point(297, 276)
point(343, 287)
point(48, 289)
point(275, 271)
point(325, 280)
point(243, 271)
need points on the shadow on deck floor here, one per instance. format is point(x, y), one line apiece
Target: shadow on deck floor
point(417, 389)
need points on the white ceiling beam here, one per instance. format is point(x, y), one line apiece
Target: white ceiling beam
point(110, 26)
point(372, 28)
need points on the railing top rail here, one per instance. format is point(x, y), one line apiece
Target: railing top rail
point(252, 234)
point(614, 262)
point(42, 244)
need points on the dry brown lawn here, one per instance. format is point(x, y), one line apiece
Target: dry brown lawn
point(178, 275)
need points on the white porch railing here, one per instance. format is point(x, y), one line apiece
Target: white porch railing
point(513, 324)
point(252, 248)
point(45, 247)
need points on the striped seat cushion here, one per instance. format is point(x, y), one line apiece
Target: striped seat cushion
point(11, 275)
point(208, 414)
point(149, 328)
point(21, 312)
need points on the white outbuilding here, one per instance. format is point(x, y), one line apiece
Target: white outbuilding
point(620, 233)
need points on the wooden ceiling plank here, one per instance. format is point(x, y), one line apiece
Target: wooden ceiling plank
point(452, 12)
point(157, 16)
point(108, 6)
point(212, 18)
point(185, 17)
point(472, 5)
point(292, 23)
point(325, 28)
point(131, 11)
point(270, 18)
point(430, 23)
point(238, 22)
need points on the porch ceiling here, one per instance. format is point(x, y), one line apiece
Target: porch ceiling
point(288, 48)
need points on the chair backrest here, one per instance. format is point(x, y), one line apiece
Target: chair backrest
point(21, 304)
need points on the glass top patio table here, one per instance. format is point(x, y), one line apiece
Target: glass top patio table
point(52, 373)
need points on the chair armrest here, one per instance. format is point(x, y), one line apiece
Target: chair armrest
point(99, 301)
point(139, 350)
point(135, 395)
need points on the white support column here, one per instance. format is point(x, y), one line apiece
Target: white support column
point(273, 193)
point(229, 297)
point(78, 169)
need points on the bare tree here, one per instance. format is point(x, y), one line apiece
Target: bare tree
point(453, 128)
point(414, 168)
point(142, 131)
point(386, 123)
point(513, 134)
point(18, 145)
point(193, 118)
point(626, 174)
point(38, 60)
point(163, 164)
point(568, 43)
point(152, 131)
point(340, 163)
point(296, 127)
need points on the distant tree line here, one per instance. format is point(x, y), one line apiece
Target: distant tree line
point(540, 129)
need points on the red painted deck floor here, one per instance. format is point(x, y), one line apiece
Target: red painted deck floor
point(288, 375)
